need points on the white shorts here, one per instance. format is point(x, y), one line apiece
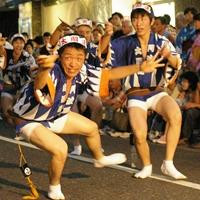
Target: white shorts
point(150, 102)
point(56, 126)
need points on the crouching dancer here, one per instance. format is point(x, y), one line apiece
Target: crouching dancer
point(42, 111)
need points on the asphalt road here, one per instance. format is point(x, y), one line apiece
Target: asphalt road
point(82, 181)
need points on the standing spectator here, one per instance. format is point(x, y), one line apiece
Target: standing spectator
point(194, 57)
point(116, 20)
point(186, 35)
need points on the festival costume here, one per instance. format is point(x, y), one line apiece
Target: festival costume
point(142, 86)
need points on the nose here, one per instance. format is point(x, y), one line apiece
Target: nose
point(72, 63)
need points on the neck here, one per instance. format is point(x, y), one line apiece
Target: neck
point(144, 39)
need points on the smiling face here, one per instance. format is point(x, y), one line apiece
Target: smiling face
point(72, 60)
point(18, 45)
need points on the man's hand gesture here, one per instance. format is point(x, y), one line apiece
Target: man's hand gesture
point(152, 63)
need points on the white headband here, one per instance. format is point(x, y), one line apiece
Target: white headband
point(17, 35)
point(86, 22)
point(72, 39)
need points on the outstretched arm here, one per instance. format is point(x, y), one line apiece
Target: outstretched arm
point(147, 66)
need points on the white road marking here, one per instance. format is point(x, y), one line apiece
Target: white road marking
point(118, 167)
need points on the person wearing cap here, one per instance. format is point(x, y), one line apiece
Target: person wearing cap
point(43, 109)
point(16, 72)
point(145, 90)
point(83, 27)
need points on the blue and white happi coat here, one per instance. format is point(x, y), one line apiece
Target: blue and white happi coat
point(127, 51)
point(27, 106)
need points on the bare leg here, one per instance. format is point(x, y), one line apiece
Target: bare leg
point(89, 129)
point(168, 108)
point(138, 120)
point(6, 104)
point(56, 146)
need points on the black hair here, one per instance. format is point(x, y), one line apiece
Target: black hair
point(29, 42)
point(190, 9)
point(197, 17)
point(39, 40)
point(118, 14)
point(46, 34)
point(162, 20)
point(141, 12)
point(25, 34)
point(192, 78)
point(167, 18)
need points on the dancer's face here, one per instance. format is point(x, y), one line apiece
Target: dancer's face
point(72, 59)
point(142, 24)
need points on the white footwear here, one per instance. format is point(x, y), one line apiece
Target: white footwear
point(169, 169)
point(145, 172)
point(19, 138)
point(55, 192)
point(113, 159)
point(77, 150)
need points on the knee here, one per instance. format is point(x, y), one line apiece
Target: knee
point(140, 136)
point(93, 129)
point(60, 152)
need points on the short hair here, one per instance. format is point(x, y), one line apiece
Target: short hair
point(197, 17)
point(39, 40)
point(168, 18)
point(118, 14)
point(46, 34)
point(162, 19)
point(142, 12)
point(190, 9)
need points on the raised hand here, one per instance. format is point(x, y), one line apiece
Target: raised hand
point(45, 61)
point(108, 29)
point(165, 50)
point(152, 63)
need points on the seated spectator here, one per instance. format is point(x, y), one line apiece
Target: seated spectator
point(115, 102)
point(29, 47)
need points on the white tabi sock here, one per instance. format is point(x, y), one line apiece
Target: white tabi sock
point(169, 169)
point(145, 172)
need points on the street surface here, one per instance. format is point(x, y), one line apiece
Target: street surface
point(82, 181)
